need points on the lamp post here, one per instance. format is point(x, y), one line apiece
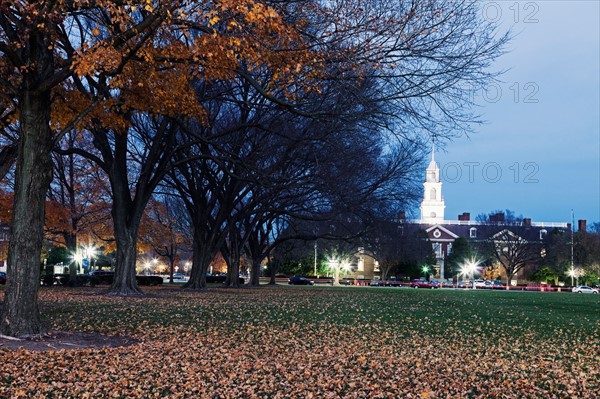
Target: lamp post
point(315, 260)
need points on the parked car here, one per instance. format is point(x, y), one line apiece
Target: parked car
point(584, 289)
point(394, 282)
point(2, 278)
point(447, 283)
point(299, 280)
point(495, 285)
point(424, 284)
point(464, 284)
point(377, 282)
point(479, 283)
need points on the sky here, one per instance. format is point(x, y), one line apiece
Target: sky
point(538, 153)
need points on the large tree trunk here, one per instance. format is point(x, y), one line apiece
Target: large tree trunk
point(20, 312)
point(233, 272)
point(201, 259)
point(124, 282)
point(255, 273)
point(232, 258)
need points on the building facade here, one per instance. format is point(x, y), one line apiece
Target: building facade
point(442, 233)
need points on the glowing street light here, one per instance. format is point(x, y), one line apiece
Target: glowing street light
point(574, 273)
point(78, 257)
point(89, 252)
point(425, 270)
point(338, 265)
point(76, 261)
point(469, 268)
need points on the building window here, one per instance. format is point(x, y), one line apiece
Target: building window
point(437, 249)
point(543, 234)
point(432, 194)
point(473, 232)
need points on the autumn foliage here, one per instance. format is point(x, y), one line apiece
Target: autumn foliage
point(311, 342)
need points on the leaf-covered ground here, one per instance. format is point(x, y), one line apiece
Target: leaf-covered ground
point(319, 342)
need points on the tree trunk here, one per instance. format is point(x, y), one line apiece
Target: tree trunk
point(124, 282)
point(274, 269)
point(201, 259)
point(509, 276)
point(232, 258)
point(255, 273)
point(233, 273)
point(20, 312)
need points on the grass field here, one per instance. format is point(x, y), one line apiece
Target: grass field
point(302, 342)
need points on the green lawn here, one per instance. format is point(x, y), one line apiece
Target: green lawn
point(320, 341)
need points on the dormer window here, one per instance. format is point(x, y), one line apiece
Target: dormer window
point(543, 234)
point(473, 232)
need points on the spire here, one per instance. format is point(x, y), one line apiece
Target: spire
point(432, 165)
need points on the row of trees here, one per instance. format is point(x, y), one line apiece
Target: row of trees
point(244, 113)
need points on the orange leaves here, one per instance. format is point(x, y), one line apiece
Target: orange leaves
point(269, 343)
point(101, 57)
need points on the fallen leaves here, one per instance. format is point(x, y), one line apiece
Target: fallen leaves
point(294, 343)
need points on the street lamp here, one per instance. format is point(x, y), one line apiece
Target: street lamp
point(77, 258)
point(334, 265)
point(90, 253)
point(425, 270)
point(574, 273)
point(469, 268)
point(338, 265)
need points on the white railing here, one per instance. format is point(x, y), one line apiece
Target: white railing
point(550, 224)
point(478, 223)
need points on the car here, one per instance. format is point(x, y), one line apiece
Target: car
point(584, 289)
point(495, 285)
point(463, 284)
point(447, 283)
point(2, 278)
point(424, 284)
point(377, 282)
point(178, 276)
point(479, 283)
point(394, 282)
point(299, 280)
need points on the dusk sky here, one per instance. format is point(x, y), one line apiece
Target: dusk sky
point(538, 154)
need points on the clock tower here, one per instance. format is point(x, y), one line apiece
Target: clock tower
point(432, 206)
